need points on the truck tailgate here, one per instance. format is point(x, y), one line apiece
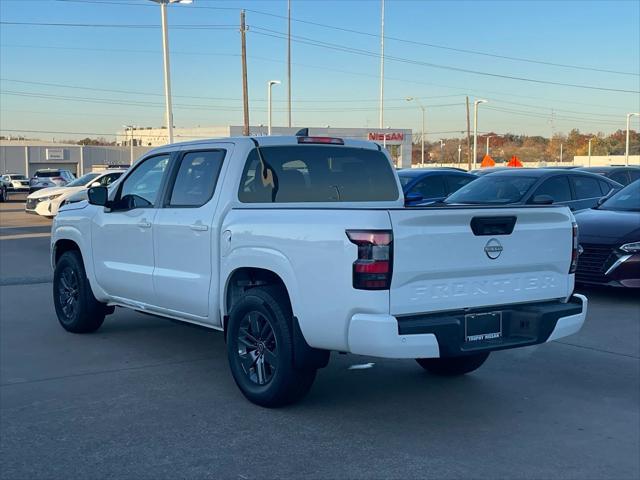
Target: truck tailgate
point(452, 258)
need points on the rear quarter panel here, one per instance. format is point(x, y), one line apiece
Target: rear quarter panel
point(309, 249)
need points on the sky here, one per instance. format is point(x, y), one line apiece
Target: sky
point(102, 69)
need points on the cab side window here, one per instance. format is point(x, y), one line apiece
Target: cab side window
point(196, 178)
point(141, 188)
point(557, 188)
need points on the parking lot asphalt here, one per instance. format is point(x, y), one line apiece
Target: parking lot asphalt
point(152, 398)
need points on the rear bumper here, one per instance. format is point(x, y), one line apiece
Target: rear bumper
point(442, 334)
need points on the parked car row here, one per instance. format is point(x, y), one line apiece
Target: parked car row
point(47, 201)
point(607, 213)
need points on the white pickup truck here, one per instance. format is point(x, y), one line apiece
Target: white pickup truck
point(298, 246)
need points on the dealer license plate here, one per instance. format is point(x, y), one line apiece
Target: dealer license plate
point(482, 326)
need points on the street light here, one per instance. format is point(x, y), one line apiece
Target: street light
point(590, 140)
point(442, 144)
point(475, 130)
point(488, 137)
point(167, 69)
point(413, 99)
point(626, 151)
point(130, 127)
point(270, 84)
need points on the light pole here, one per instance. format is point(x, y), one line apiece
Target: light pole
point(381, 119)
point(488, 137)
point(459, 153)
point(626, 150)
point(475, 130)
point(590, 140)
point(130, 127)
point(409, 99)
point(442, 144)
point(167, 68)
point(270, 84)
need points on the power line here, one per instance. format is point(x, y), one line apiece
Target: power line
point(139, 103)
point(463, 90)
point(332, 46)
point(120, 25)
point(133, 92)
point(387, 37)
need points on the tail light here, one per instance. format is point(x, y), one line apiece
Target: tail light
point(373, 268)
point(574, 248)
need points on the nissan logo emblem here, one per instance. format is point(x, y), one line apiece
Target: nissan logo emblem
point(493, 249)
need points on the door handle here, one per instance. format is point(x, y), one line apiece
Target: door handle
point(199, 227)
point(144, 224)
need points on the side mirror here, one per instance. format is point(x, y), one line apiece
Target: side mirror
point(542, 200)
point(412, 197)
point(95, 184)
point(98, 196)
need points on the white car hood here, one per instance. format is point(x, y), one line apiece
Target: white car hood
point(47, 192)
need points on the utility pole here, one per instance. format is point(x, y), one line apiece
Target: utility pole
point(289, 59)
point(381, 123)
point(245, 91)
point(468, 136)
point(590, 140)
point(561, 153)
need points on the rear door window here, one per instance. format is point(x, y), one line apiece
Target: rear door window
point(196, 178)
point(605, 187)
point(620, 177)
point(634, 175)
point(456, 182)
point(308, 173)
point(586, 187)
point(556, 187)
point(430, 187)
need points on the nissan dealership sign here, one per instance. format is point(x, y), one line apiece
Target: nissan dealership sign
point(388, 137)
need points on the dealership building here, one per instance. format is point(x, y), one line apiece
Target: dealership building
point(396, 141)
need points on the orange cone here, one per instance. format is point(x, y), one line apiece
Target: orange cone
point(515, 162)
point(487, 162)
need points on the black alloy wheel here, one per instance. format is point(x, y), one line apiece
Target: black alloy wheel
point(257, 348)
point(68, 292)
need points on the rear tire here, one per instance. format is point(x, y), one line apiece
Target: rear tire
point(260, 349)
point(77, 309)
point(453, 366)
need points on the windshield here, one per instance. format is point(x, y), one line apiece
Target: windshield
point(17, 177)
point(493, 189)
point(627, 199)
point(83, 180)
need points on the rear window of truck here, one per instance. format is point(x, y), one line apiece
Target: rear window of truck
point(308, 173)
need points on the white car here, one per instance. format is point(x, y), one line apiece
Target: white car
point(47, 201)
point(298, 246)
point(15, 182)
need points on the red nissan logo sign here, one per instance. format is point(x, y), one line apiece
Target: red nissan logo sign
point(389, 137)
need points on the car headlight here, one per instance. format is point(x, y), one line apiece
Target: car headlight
point(633, 247)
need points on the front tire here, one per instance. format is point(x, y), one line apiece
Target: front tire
point(453, 366)
point(77, 309)
point(260, 349)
